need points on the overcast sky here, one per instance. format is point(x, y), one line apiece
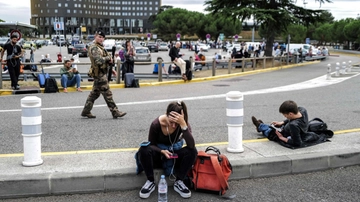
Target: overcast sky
point(340, 9)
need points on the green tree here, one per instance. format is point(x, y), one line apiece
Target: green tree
point(338, 30)
point(273, 15)
point(177, 20)
point(352, 31)
point(214, 24)
point(324, 33)
point(297, 33)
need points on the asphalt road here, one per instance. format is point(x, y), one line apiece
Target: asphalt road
point(63, 129)
point(337, 185)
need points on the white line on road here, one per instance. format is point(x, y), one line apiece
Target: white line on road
point(313, 83)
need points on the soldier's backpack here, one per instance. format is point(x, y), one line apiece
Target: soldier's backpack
point(51, 85)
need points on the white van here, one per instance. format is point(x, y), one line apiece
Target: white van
point(108, 44)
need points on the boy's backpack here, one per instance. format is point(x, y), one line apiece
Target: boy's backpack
point(51, 85)
point(318, 126)
point(211, 172)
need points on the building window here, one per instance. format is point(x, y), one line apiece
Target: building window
point(41, 11)
point(66, 5)
point(156, 8)
point(150, 8)
point(150, 3)
point(74, 11)
point(68, 11)
point(156, 3)
point(56, 10)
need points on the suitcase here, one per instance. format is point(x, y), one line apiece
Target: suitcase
point(42, 77)
point(129, 77)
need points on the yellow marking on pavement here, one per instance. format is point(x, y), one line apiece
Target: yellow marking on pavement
point(339, 132)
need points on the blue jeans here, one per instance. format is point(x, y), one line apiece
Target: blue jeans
point(265, 129)
point(65, 81)
point(31, 57)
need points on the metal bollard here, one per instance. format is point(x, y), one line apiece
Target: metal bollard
point(31, 130)
point(343, 69)
point(235, 119)
point(349, 68)
point(337, 73)
point(328, 75)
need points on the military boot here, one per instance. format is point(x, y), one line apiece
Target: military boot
point(88, 114)
point(118, 113)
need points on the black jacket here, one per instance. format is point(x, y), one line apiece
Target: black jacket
point(174, 53)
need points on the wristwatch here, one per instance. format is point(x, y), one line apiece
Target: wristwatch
point(184, 128)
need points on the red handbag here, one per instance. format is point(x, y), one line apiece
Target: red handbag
point(211, 171)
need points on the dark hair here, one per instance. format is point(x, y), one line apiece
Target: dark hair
point(13, 36)
point(177, 107)
point(66, 61)
point(126, 43)
point(72, 59)
point(288, 106)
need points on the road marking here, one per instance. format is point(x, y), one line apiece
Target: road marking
point(313, 83)
point(339, 132)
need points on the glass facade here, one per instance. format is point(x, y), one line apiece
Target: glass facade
point(113, 16)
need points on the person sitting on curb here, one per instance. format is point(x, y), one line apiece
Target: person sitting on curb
point(165, 143)
point(70, 76)
point(292, 132)
point(156, 67)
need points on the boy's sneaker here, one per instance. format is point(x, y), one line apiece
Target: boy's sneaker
point(181, 188)
point(147, 189)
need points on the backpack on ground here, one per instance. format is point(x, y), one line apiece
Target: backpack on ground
point(42, 77)
point(129, 77)
point(318, 126)
point(51, 85)
point(135, 83)
point(211, 172)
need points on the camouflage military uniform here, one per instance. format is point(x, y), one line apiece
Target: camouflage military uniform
point(99, 68)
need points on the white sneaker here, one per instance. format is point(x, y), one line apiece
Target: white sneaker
point(181, 188)
point(147, 189)
point(5, 72)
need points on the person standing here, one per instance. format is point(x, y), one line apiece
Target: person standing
point(129, 59)
point(100, 59)
point(14, 53)
point(70, 76)
point(32, 50)
point(176, 59)
point(111, 67)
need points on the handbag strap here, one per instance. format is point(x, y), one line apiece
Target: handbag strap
point(224, 184)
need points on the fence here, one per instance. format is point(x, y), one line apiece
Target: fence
point(230, 63)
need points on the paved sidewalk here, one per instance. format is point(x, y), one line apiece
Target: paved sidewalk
point(109, 170)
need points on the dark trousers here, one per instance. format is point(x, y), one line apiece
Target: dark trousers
point(151, 159)
point(14, 71)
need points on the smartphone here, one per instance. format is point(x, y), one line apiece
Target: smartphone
point(173, 156)
point(145, 144)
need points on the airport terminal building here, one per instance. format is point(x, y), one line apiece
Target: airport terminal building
point(113, 16)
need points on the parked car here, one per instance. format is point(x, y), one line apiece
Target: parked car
point(163, 46)
point(27, 44)
point(39, 43)
point(61, 42)
point(142, 54)
point(4, 40)
point(48, 42)
point(152, 46)
point(80, 49)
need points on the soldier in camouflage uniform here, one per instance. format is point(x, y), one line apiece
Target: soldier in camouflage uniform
point(100, 60)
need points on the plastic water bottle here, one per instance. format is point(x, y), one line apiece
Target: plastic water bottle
point(162, 190)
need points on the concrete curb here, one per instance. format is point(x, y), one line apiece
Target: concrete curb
point(260, 159)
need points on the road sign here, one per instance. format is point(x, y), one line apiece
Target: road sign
point(221, 36)
point(208, 36)
point(58, 26)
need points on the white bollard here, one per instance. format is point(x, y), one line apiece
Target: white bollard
point(31, 130)
point(337, 73)
point(349, 69)
point(328, 75)
point(343, 68)
point(235, 119)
